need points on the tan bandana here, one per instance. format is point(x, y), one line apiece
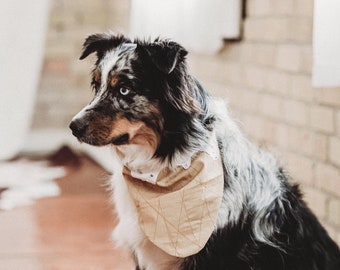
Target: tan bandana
point(179, 211)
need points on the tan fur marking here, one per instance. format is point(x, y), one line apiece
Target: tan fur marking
point(114, 81)
point(122, 125)
point(138, 132)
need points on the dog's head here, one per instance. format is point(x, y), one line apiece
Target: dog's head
point(142, 94)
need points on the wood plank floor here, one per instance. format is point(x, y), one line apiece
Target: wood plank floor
point(68, 232)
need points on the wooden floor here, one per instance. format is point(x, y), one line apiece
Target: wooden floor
point(71, 231)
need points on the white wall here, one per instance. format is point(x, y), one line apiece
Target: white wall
point(326, 43)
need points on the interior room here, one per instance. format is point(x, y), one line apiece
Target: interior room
point(275, 63)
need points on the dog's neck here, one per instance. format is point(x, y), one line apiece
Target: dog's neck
point(140, 159)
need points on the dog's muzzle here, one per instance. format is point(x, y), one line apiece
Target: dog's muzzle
point(78, 128)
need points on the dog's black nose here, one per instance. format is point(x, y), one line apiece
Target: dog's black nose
point(78, 128)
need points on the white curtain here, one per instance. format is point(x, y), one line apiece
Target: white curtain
point(199, 25)
point(326, 43)
point(23, 27)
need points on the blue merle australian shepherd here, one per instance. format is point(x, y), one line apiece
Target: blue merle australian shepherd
point(159, 120)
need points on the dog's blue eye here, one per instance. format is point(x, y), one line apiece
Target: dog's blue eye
point(124, 91)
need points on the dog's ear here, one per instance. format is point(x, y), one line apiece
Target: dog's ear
point(100, 43)
point(181, 98)
point(165, 54)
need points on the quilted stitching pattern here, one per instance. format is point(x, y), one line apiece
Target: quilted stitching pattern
point(178, 214)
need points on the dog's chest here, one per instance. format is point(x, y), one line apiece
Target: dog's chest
point(193, 188)
point(128, 232)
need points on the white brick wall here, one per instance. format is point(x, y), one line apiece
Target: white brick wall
point(322, 119)
point(334, 208)
point(334, 151)
point(327, 178)
point(296, 112)
point(289, 58)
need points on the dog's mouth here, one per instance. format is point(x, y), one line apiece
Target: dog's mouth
point(122, 139)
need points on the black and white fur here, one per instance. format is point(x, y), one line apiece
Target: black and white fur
point(154, 112)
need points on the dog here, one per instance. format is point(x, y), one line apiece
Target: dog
point(191, 192)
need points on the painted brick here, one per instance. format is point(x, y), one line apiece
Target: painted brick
point(232, 73)
point(327, 178)
point(252, 29)
point(303, 8)
point(213, 67)
point(234, 98)
point(53, 87)
point(233, 51)
point(249, 100)
point(301, 140)
point(334, 212)
point(265, 54)
point(259, 7)
point(301, 168)
point(218, 89)
point(322, 119)
point(267, 29)
point(254, 127)
point(302, 88)
point(254, 76)
point(269, 130)
point(247, 53)
point(289, 58)
point(214, 70)
point(296, 112)
point(316, 200)
point(301, 30)
point(262, 54)
point(120, 19)
point(281, 139)
point(59, 22)
point(334, 150)
point(337, 122)
point(306, 64)
point(277, 29)
point(320, 147)
point(56, 65)
point(271, 106)
point(283, 7)
point(59, 49)
point(329, 96)
point(277, 82)
point(82, 68)
point(196, 63)
point(205, 66)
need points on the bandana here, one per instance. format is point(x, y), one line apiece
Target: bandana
point(178, 209)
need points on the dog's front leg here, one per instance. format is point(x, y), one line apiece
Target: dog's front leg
point(137, 264)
